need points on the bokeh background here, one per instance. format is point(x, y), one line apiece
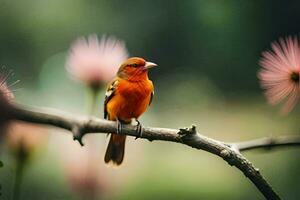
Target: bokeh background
point(207, 51)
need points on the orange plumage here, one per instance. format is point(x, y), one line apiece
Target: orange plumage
point(127, 98)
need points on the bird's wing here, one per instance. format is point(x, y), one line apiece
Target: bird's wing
point(151, 98)
point(110, 92)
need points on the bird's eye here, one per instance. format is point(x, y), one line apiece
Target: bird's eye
point(134, 65)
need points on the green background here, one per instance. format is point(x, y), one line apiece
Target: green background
point(208, 53)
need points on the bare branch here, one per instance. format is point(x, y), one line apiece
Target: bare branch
point(80, 126)
point(268, 143)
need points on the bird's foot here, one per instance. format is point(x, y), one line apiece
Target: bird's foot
point(139, 129)
point(119, 127)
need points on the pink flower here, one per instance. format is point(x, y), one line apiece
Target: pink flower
point(96, 62)
point(6, 97)
point(86, 180)
point(5, 94)
point(25, 138)
point(280, 72)
point(84, 171)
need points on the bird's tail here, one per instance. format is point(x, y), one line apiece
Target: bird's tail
point(115, 149)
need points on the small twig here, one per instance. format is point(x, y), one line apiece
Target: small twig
point(268, 143)
point(187, 136)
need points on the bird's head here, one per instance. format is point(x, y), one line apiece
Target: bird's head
point(135, 69)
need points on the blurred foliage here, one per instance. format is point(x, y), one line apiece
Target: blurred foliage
point(207, 51)
point(219, 39)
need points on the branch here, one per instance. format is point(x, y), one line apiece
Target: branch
point(80, 126)
point(267, 143)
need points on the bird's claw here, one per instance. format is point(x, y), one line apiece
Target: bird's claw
point(139, 129)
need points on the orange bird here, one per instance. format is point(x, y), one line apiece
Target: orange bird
point(127, 98)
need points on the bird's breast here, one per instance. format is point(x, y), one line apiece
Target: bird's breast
point(131, 99)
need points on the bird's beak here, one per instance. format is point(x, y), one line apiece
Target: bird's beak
point(149, 65)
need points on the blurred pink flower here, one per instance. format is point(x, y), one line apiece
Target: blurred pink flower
point(84, 170)
point(25, 138)
point(5, 93)
point(86, 180)
point(20, 137)
point(6, 97)
point(280, 72)
point(95, 62)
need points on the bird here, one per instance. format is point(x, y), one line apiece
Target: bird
point(127, 97)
